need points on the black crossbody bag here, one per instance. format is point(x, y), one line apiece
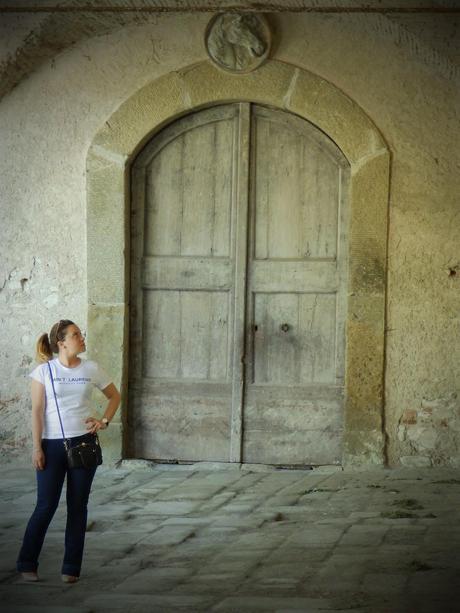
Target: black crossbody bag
point(81, 455)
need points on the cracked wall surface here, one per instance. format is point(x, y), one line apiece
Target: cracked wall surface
point(393, 67)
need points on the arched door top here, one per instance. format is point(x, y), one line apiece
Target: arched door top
point(281, 86)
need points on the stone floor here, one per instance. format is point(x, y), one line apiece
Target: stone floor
point(230, 539)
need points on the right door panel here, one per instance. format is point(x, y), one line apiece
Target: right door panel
point(296, 293)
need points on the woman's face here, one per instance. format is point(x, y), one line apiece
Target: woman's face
point(74, 341)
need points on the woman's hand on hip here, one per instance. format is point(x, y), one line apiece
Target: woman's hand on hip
point(38, 459)
point(93, 424)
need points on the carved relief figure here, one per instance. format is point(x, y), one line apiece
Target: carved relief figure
point(238, 42)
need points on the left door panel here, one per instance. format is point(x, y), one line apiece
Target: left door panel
point(182, 306)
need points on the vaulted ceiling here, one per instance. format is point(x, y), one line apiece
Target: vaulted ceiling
point(33, 31)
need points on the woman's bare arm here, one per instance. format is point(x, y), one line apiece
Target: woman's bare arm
point(38, 412)
point(113, 396)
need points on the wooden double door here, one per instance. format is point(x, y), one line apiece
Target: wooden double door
point(238, 290)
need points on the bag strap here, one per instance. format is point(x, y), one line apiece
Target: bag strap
point(57, 407)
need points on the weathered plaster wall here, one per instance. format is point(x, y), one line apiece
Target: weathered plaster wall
point(409, 91)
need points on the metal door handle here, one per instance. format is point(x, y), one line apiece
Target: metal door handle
point(284, 327)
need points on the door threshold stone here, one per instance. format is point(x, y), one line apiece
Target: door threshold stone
point(140, 464)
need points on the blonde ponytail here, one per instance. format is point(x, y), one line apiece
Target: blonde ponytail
point(43, 350)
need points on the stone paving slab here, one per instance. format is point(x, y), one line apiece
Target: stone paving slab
point(238, 539)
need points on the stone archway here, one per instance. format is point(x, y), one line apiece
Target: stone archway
point(285, 87)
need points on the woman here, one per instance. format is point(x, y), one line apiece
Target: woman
point(73, 380)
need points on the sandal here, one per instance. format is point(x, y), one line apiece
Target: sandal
point(69, 578)
point(29, 576)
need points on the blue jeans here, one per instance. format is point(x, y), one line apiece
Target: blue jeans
point(49, 487)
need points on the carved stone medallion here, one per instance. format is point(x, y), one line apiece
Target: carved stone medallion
point(238, 42)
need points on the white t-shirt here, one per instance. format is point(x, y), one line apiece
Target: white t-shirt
point(73, 390)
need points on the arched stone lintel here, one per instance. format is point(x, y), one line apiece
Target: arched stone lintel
point(277, 84)
point(285, 87)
